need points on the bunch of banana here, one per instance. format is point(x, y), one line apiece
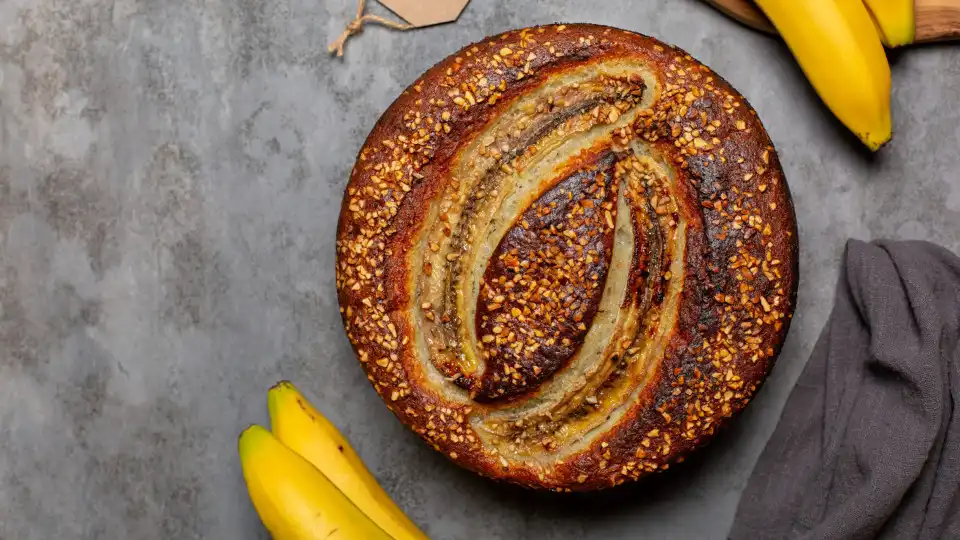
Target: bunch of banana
point(306, 482)
point(839, 46)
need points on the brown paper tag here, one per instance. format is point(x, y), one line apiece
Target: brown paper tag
point(426, 12)
point(417, 13)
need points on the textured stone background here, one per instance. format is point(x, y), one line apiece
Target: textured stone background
point(170, 173)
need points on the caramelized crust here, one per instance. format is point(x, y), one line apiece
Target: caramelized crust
point(567, 255)
point(543, 284)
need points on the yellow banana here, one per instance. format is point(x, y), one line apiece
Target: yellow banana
point(895, 20)
point(299, 426)
point(294, 500)
point(838, 48)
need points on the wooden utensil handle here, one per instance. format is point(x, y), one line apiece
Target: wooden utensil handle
point(746, 12)
point(937, 20)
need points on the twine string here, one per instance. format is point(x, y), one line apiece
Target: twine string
point(356, 26)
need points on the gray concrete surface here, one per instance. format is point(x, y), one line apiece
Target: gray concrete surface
point(170, 173)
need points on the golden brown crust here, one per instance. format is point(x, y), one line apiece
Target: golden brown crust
point(691, 302)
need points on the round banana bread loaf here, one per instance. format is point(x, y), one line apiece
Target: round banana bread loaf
point(567, 255)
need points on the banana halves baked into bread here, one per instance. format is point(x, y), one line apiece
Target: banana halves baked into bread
point(567, 255)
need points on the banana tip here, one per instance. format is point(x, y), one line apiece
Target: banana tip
point(250, 431)
point(876, 146)
point(282, 384)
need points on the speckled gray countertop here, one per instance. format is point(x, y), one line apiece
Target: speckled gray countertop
point(170, 176)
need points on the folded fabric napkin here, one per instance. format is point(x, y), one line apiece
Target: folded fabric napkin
point(868, 445)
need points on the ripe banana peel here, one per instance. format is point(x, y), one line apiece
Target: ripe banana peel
point(296, 501)
point(895, 20)
point(300, 427)
point(839, 50)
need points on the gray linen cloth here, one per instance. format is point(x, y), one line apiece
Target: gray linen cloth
point(868, 445)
